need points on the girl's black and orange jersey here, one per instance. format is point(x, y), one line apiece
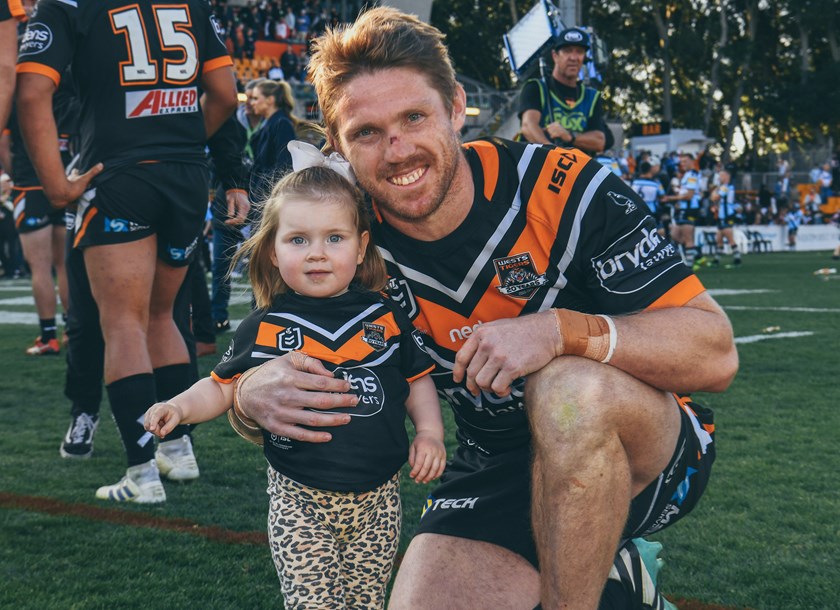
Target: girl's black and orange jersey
point(549, 227)
point(361, 336)
point(137, 68)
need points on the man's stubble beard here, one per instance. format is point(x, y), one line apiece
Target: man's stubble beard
point(447, 168)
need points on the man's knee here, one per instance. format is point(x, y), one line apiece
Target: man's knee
point(568, 395)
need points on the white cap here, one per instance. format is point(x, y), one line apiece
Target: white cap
point(654, 161)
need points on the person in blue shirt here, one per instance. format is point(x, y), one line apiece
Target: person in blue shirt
point(728, 213)
point(793, 218)
point(687, 209)
point(651, 191)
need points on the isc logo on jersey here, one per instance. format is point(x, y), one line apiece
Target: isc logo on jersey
point(626, 266)
point(158, 102)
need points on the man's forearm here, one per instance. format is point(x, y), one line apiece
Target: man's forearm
point(590, 141)
point(679, 349)
point(37, 124)
point(8, 56)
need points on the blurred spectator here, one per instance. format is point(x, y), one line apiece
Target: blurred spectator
point(792, 219)
point(825, 180)
point(303, 22)
point(811, 202)
point(783, 189)
point(290, 63)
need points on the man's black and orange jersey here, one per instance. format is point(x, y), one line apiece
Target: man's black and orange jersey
point(137, 67)
point(549, 227)
point(361, 336)
point(12, 9)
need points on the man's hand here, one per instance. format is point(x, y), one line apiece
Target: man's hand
point(238, 206)
point(499, 352)
point(556, 131)
point(278, 397)
point(62, 193)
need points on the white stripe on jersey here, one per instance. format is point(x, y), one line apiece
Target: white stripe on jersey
point(323, 331)
point(574, 237)
point(367, 363)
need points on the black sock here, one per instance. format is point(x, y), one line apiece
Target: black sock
point(130, 397)
point(171, 380)
point(47, 329)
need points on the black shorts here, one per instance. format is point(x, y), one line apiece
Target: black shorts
point(33, 210)
point(164, 199)
point(686, 217)
point(725, 224)
point(488, 497)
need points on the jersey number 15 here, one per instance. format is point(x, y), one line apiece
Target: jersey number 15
point(173, 25)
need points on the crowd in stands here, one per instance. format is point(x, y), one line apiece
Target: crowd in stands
point(769, 204)
point(295, 22)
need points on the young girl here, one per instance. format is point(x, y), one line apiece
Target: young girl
point(334, 516)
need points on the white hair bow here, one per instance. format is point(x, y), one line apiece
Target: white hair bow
point(305, 155)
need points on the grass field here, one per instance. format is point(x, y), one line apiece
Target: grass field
point(766, 536)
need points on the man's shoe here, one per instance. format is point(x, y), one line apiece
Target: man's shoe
point(78, 442)
point(40, 348)
point(636, 567)
point(222, 326)
point(140, 484)
point(176, 459)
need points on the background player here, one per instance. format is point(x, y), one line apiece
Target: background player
point(139, 69)
point(11, 12)
point(723, 196)
point(39, 224)
point(315, 274)
point(687, 209)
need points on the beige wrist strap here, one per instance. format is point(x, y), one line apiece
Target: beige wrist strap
point(243, 425)
point(586, 335)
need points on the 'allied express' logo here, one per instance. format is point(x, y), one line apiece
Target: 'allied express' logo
point(157, 102)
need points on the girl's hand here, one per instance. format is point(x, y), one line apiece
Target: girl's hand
point(427, 457)
point(162, 417)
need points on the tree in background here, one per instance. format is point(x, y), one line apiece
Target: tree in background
point(765, 72)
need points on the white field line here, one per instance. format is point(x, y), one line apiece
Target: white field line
point(757, 338)
point(18, 301)
point(793, 309)
point(729, 292)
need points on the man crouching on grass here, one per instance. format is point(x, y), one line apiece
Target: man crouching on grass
point(578, 333)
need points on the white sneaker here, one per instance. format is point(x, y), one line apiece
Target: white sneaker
point(140, 484)
point(176, 459)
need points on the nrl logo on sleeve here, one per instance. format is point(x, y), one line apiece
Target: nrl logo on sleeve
point(228, 352)
point(518, 277)
point(622, 201)
point(400, 293)
point(290, 339)
point(374, 336)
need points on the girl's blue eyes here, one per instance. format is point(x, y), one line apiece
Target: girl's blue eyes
point(299, 241)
